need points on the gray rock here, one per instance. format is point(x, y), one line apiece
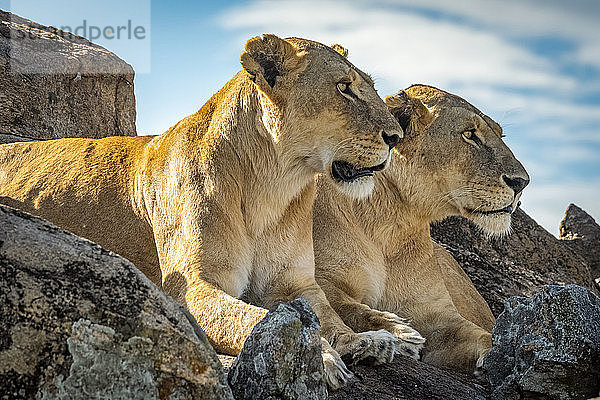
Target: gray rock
point(54, 85)
point(516, 265)
point(579, 231)
point(547, 346)
point(12, 138)
point(282, 357)
point(409, 379)
point(79, 322)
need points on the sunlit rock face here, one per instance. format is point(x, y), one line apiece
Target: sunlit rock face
point(80, 322)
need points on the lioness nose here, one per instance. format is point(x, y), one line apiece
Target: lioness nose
point(516, 184)
point(390, 140)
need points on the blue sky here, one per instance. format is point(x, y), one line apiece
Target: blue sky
point(533, 66)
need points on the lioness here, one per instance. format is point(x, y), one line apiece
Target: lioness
point(375, 258)
point(218, 209)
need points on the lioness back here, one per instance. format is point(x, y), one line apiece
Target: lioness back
point(84, 186)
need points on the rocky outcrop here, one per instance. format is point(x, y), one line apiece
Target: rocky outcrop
point(282, 357)
point(79, 322)
point(580, 232)
point(408, 379)
point(516, 265)
point(54, 84)
point(547, 346)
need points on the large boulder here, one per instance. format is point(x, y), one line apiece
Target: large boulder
point(547, 346)
point(79, 322)
point(408, 379)
point(579, 231)
point(54, 85)
point(515, 265)
point(281, 359)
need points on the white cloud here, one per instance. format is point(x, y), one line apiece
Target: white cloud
point(553, 116)
point(415, 49)
point(529, 18)
point(477, 49)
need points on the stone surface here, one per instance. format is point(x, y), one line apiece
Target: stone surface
point(54, 85)
point(281, 359)
point(79, 322)
point(408, 379)
point(579, 231)
point(547, 346)
point(516, 265)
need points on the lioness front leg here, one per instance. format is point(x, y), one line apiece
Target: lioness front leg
point(378, 346)
point(209, 292)
point(205, 261)
point(454, 341)
point(362, 318)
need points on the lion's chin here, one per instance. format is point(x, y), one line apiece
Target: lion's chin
point(495, 225)
point(358, 189)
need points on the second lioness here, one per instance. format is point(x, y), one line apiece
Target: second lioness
point(375, 258)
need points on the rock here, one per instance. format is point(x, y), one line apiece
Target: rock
point(516, 265)
point(281, 359)
point(79, 322)
point(579, 231)
point(547, 346)
point(11, 138)
point(54, 85)
point(408, 379)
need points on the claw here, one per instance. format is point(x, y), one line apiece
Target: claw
point(336, 372)
point(416, 339)
point(479, 372)
point(393, 317)
point(410, 342)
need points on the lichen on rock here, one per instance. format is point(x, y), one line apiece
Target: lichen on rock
point(547, 346)
point(80, 322)
point(282, 357)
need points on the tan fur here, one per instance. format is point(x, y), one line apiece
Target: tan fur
point(218, 209)
point(376, 256)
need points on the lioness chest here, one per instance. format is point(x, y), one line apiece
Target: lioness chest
point(390, 283)
point(282, 252)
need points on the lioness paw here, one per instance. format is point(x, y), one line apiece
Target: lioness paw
point(383, 346)
point(336, 372)
point(409, 341)
point(376, 346)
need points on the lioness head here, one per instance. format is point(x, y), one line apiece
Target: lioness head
point(459, 152)
point(325, 113)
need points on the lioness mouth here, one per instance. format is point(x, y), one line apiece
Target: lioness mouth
point(508, 209)
point(345, 172)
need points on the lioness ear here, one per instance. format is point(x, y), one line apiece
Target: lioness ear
point(340, 49)
point(411, 113)
point(268, 58)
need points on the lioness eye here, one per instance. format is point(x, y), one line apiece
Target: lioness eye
point(344, 88)
point(471, 137)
